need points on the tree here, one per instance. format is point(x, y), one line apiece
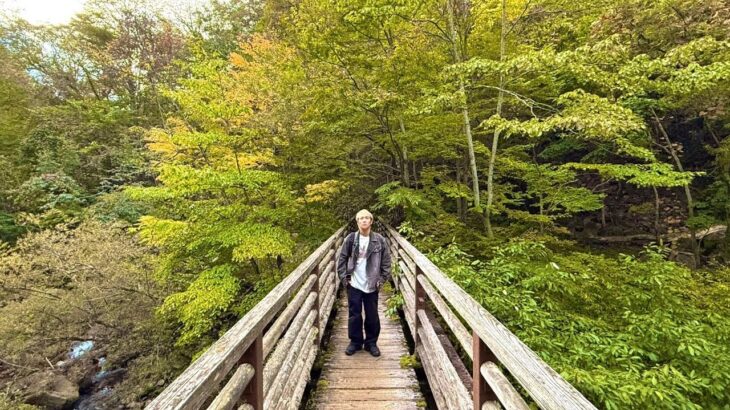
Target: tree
point(227, 214)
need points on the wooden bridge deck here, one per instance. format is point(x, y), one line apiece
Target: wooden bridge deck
point(362, 381)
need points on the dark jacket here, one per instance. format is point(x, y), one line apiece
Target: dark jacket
point(378, 257)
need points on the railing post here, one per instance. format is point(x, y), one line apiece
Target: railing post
point(254, 392)
point(420, 303)
point(481, 392)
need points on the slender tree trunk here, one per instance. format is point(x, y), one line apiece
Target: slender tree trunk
point(542, 211)
point(406, 177)
point(495, 139)
point(459, 203)
point(687, 192)
point(656, 216)
point(465, 107)
point(415, 175)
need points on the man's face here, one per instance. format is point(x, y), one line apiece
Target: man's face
point(364, 222)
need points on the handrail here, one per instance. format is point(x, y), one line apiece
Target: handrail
point(245, 346)
point(488, 343)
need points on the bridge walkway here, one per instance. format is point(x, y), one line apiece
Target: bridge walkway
point(362, 381)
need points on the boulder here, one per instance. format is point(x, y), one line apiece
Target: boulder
point(50, 390)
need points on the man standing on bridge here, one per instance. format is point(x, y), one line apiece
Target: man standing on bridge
point(363, 268)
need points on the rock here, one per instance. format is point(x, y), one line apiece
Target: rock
point(687, 259)
point(50, 390)
point(111, 378)
point(81, 372)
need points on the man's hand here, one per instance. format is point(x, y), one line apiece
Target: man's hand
point(379, 285)
point(346, 280)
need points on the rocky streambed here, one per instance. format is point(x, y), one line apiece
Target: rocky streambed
point(80, 381)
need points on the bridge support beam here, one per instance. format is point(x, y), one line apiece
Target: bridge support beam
point(254, 392)
point(481, 391)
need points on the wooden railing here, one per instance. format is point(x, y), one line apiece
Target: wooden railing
point(488, 343)
point(265, 364)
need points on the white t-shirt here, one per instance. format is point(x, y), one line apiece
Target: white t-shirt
point(359, 276)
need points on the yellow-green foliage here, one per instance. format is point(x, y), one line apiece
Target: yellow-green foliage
point(629, 332)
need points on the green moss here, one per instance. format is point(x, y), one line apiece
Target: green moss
point(410, 362)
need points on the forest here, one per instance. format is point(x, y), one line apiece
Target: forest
point(567, 162)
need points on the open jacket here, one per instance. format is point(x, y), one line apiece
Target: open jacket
point(378, 259)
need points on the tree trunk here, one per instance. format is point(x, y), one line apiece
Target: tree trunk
point(687, 192)
point(406, 177)
point(465, 107)
point(459, 200)
point(656, 216)
point(495, 138)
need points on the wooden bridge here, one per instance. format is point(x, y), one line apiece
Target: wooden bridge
point(265, 360)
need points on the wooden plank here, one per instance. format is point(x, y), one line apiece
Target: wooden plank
point(327, 273)
point(545, 385)
point(304, 319)
point(363, 355)
point(333, 396)
point(325, 313)
point(274, 332)
point(302, 380)
point(327, 259)
point(229, 395)
point(195, 384)
point(506, 393)
point(363, 364)
point(491, 405)
point(299, 375)
point(455, 325)
point(300, 344)
point(383, 338)
point(324, 290)
point(405, 257)
point(371, 373)
point(407, 275)
point(354, 383)
point(372, 405)
point(409, 300)
point(453, 355)
point(438, 391)
point(456, 396)
point(410, 321)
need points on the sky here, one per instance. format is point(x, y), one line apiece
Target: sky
point(45, 11)
point(61, 11)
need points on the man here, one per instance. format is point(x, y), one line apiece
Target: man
point(363, 268)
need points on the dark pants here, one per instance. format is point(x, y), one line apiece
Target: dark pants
point(356, 300)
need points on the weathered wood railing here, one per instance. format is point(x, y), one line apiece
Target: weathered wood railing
point(266, 364)
point(488, 343)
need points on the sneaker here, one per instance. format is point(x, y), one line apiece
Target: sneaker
point(373, 350)
point(352, 348)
